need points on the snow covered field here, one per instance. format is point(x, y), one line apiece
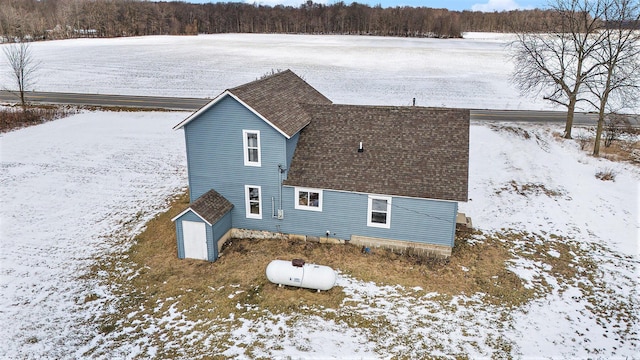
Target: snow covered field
point(471, 72)
point(66, 185)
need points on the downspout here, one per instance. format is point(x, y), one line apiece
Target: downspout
point(280, 171)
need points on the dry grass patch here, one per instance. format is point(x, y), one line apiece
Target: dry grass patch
point(238, 277)
point(157, 292)
point(471, 269)
point(622, 150)
point(529, 189)
point(607, 174)
point(15, 117)
point(626, 149)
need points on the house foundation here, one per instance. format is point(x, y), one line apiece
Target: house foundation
point(370, 242)
point(401, 246)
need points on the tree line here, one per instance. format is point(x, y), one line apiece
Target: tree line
point(61, 19)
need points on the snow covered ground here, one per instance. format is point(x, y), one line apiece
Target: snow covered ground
point(556, 194)
point(470, 73)
point(67, 184)
point(580, 205)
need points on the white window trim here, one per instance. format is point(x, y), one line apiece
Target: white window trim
point(245, 148)
point(296, 202)
point(248, 205)
point(386, 225)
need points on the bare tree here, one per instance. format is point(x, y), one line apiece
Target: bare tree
point(23, 67)
point(618, 61)
point(555, 63)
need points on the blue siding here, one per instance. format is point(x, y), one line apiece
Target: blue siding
point(215, 161)
point(215, 158)
point(345, 214)
point(179, 238)
point(219, 229)
point(214, 233)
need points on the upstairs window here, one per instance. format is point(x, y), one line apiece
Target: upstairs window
point(379, 212)
point(253, 201)
point(308, 199)
point(251, 146)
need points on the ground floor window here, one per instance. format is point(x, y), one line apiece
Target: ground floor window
point(308, 199)
point(253, 201)
point(379, 211)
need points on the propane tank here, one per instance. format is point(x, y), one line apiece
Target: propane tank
point(297, 273)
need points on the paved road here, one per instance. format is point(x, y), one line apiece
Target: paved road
point(191, 104)
point(533, 116)
point(147, 102)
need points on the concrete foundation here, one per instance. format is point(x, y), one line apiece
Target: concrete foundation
point(399, 245)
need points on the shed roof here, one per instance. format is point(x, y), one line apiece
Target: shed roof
point(211, 207)
point(408, 151)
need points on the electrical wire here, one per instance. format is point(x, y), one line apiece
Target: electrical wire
point(421, 213)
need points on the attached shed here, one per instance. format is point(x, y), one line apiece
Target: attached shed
point(201, 227)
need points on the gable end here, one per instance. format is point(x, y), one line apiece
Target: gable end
point(210, 207)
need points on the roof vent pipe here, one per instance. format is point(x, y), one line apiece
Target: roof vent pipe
point(360, 148)
point(414, 101)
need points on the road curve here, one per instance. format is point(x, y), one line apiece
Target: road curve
point(192, 104)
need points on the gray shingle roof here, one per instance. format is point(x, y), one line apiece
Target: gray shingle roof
point(279, 99)
point(211, 206)
point(408, 151)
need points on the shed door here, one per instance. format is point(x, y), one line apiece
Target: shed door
point(194, 235)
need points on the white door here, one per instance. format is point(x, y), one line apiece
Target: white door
point(194, 235)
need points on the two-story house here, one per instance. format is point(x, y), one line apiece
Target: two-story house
point(275, 156)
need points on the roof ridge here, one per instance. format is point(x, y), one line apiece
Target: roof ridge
point(268, 77)
point(276, 99)
point(408, 151)
point(389, 107)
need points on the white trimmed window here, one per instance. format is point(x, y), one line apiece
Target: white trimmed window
point(308, 199)
point(251, 146)
point(253, 201)
point(379, 211)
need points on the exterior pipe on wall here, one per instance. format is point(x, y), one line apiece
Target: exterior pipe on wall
point(280, 171)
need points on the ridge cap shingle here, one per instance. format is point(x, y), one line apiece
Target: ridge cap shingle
point(279, 98)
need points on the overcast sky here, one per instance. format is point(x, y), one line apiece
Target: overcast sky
point(476, 5)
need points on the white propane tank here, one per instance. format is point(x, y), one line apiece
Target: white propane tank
point(297, 273)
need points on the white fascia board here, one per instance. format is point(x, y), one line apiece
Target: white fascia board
point(215, 101)
point(201, 110)
point(258, 115)
point(193, 211)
